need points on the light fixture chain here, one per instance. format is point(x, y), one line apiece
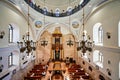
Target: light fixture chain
point(83, 22)
point(44, 14)
point(69, 16)
point(28, 34)
point(29, 45)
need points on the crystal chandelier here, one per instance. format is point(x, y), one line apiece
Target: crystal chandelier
point(27, 44)
point(69, 42)
point(86, 44)
point(44, 42)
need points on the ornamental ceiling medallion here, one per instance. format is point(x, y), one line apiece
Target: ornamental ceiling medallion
point(75, 24)
point(38, 24)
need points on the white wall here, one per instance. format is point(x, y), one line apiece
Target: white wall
point(4, 53)
point(108, 16)
point(112, 55)
point(8, 15)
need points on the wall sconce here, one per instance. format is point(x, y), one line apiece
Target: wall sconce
point(108, 71)
point(109, 62)
point(2, 33)
point(0, 57)
point(108, 35)
point(1, 67)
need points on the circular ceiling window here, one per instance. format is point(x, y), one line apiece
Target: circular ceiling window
point(38, 24)
point(75, 24)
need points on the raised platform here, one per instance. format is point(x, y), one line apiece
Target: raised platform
point(57, 65)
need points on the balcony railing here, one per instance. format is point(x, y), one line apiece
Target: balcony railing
point(63, 14)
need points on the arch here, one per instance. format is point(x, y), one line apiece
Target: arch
point(13, 33)
point(10, 39)
point(69, 10)
point(45, 10)
point(10, 60)
point(57, 12)
point(98, 34)
point(47, 26)
point(101, 77)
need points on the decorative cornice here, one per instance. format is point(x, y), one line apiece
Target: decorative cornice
point(108, 48)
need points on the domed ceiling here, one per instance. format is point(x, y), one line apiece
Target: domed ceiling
point(75, 18)
point(60, 4)
point(57, 3)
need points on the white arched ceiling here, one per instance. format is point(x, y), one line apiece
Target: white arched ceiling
point(34, 14)
point(18, 11)
point(50, 27)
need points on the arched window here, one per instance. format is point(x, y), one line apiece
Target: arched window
point(101, 77)
point(13, 33)
point(10, 33)
point(119, 34)
point(98, 34)
point(69, 10)
point(85, 56)
point(10, 60)
point(81, 1)
point(44, 10)
point(57, 12)
point(98, 58)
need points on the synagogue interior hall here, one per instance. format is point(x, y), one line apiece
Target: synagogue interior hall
point(59, 39)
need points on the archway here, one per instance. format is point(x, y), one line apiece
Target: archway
point(46, 40)
point(98, 34)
